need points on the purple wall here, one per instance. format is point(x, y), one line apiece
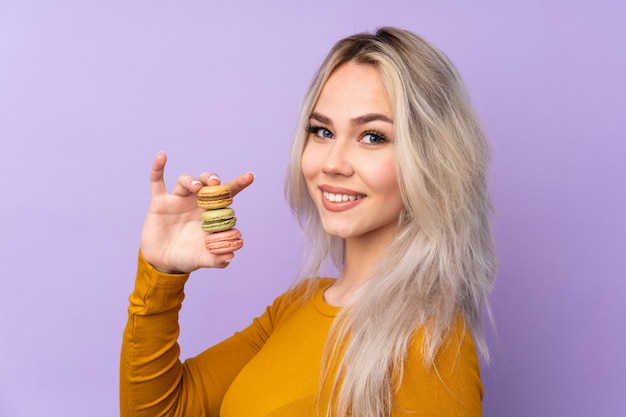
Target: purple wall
point(91, 91)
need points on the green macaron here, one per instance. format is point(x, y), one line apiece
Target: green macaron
point(218, 220)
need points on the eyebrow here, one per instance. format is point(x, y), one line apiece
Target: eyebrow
point(357, 121)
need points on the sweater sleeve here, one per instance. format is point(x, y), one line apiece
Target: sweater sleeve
point(450, 388)
point(153, 381)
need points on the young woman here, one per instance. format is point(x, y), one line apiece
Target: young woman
point(388, 179)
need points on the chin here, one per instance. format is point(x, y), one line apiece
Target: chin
point(338, 232)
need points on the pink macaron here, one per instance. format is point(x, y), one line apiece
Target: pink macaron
point(224, 242)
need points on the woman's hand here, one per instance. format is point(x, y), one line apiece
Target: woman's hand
point(172, 239)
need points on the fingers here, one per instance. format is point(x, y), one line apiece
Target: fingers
point(212, 260)
point(226, 261)
point(185, 185)
point(157, 185)
point(209, 178)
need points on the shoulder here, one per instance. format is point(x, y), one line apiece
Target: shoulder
point(451, 386)
point(298, 295)
point(317, 284)
point(306, 289)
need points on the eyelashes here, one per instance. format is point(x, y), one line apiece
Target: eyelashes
point(320, 131)
point(375, 137)
point(370, 137)
point(312, 128)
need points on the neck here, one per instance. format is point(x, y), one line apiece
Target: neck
point(362, 256)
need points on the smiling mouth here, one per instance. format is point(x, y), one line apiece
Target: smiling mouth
point(338, 198)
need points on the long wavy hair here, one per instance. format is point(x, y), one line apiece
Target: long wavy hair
point(441, 263)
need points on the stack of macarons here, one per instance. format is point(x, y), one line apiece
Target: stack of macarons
point(218, 217)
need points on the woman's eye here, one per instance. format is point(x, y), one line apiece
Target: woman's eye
point(374, 138)
point(324, 133)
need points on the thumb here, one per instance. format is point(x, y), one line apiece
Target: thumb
point(239, 183)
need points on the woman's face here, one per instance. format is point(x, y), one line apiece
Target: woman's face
point(349, 160)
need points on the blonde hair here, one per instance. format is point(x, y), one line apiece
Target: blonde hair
point(441, 262)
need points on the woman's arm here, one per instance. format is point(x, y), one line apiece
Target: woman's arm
point(172, 245)
point(150, 370)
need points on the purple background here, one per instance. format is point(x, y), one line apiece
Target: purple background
point(91, 91)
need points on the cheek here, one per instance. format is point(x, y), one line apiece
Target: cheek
point(386, 181)
point(308, 163)
point(385, 171)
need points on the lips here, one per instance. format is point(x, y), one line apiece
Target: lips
point(340, 199)
point(337, 198)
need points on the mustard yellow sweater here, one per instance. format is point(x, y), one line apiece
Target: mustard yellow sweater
point(271, 368)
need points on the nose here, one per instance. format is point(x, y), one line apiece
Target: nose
point(337, 160)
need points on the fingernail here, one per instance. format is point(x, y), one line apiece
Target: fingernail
point(214, 177)
point(195, 182)
point(252, 173)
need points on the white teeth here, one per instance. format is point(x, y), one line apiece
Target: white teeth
point(336, 198)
